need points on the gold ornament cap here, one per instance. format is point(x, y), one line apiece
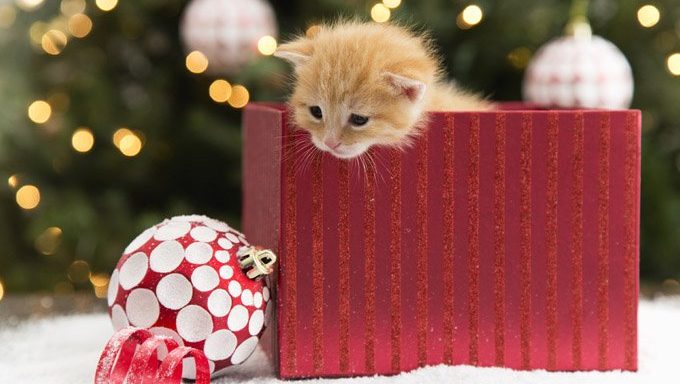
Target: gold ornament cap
point(578, 25)
point(256, 262)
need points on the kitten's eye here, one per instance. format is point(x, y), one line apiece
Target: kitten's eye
point(316, 112)
point(358, 120)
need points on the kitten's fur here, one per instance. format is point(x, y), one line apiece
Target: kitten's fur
point(385, 73)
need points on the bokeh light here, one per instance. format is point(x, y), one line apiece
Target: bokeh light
point(28, 196)
point(48, 241)
point(196, 62)
point(79, 25)
point(471, 16)
point(7, 16)
point(380, 13)
point(100, 284)
point(2, 290)
point(54, 41)
point(79, 271)
point(392, 3)
point(82, 140)
point(106, 5)
point(239, 96)
point(519, 57)
point(119, 134)
point(72, 7)
point(36, 32)
point(39, 111)
point(648, 15)
point(673, 63)
point(267, 45)
point(99, 279)
point(130, 145)
point(220, 90)
point(13, 181)
point(29, 5)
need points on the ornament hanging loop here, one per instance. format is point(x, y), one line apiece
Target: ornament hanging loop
point(578, 25)
point(256, 262)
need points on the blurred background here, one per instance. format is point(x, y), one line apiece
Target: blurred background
point(109, 123)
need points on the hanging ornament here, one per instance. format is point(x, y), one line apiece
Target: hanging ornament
point(199, 282)
point(227, 31)
point(579, 70)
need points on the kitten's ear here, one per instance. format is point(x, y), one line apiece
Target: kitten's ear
point(296, 52)
point(411, 88)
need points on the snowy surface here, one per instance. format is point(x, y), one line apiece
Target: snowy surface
point(66, 349)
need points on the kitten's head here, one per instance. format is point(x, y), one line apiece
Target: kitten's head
point(359, 85)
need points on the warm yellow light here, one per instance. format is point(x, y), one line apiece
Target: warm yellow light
point(267, 45)
point(28, 5)
point(39, 111)
point(72, 7)
point(36, 31)
point(119, 134)
point(48, 242)
point(2, 290)
point(392, 3)
point(648, 15)
point(220, 90)
point(28, 196)
point(99, 279)
point(196, 62)
point(519, 57)
point(100, 292)
point(13, 181)
point(673, 63)
point(106, 5)
point(239, 96)
point(472, 15)
point(100, 284)
point(82, 140)
point(7, 16)
point(312, 31)
point(54, 41)
point(79, 271)
point(79, 25)
point(130, 145)
point(59, 23)
point(380, 13)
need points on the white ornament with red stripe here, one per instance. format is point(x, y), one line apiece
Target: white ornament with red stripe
point(198, 281)
point(227, 31)
point(579, 72)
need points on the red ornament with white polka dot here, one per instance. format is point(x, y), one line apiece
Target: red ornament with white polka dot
point(227, 31)
point(194, 279)
point(579, 72)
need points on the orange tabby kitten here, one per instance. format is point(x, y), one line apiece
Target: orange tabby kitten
point(365, 84)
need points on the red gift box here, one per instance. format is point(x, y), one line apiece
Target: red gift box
point(505, 238)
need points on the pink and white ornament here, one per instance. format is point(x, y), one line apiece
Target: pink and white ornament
point(579, 72)
point(227, 31)
point(182, 278)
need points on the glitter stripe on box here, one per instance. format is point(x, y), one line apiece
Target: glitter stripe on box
point(504, 238)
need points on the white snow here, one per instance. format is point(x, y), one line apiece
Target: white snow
point(66, 349)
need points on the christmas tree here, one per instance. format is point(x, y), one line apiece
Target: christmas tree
point(107, 126)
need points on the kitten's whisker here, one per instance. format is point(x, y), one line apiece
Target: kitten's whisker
point(374, 170)
point(302, 159)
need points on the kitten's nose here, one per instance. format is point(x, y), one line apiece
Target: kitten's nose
point(332, 143)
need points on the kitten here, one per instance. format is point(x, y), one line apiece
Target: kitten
point(365, 84)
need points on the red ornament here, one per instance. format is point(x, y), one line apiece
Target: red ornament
point(195, 280)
